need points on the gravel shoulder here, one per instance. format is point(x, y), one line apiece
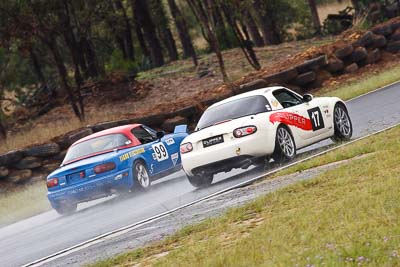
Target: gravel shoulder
point(161, 228)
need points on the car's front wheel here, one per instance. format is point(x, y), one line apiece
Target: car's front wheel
point(141, 176)
point(342, 124)
point(200, 181)
point(285, 148)
point(66, 208)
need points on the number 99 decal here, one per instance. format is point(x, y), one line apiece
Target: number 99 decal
point(160, 151)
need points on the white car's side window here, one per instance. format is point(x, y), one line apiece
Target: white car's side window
point(286, 98)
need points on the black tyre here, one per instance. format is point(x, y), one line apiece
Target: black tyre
point(66, 208)
point(285, 148)
point(141, 176)
point(200, 181)
point(342, 124)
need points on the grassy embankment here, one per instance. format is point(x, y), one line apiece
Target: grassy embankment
point(347, 216)
point(10, 213)
point(364, 85)
point(23, 203)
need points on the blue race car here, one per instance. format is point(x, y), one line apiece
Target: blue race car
point(118, 159)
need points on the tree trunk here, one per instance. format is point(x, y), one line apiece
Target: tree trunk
point(162, 24)
point(220, 28)
point(244, 42)
point(50, 40)
point(170, 44)
point(142, 42)
point(62, 70)
point(79, 49)
point(183, 32)
point(90, 56)
point(270, 34)
point(37, 67)
point(315, 16)
point(3, 129)
point(253, 29)
point(205, 18)
point(127, 40)
point(71, 42)
point(115, 27)
point(143, 18)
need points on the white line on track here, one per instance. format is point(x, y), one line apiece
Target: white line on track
point(133, 226)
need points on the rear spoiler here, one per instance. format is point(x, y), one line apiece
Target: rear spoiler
point(181, 129)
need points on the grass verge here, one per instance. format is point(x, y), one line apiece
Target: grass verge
point(345, 217)
point(364, 85)
point(23, 203)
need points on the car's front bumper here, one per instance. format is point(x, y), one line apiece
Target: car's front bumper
point(92, 189)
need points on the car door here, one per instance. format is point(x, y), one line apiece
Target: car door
point(306, 118)
point(155, 161)
point(172, 145)
point(164, 151)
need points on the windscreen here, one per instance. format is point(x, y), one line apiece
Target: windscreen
point(96, 145)
point(233, 110)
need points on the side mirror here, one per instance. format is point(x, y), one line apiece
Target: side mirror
point(307, 97)
point(160, 135)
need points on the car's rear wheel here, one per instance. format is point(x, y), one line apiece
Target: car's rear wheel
point(285, 148)
point(342, 124)
point(66, 208)
point(141, 176)
point(200, 181)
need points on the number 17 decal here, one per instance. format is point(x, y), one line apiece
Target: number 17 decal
point(317, 120)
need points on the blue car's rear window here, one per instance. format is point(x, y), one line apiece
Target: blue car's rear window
point(96, 145)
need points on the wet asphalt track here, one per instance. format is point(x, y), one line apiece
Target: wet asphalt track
point(45, 234)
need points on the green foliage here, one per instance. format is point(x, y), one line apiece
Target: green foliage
point(118, 63)
point(288, 15)
point(227, 40)
point(16, 71)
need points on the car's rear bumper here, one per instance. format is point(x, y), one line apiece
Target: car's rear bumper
point(227, 165)
point(92, 189)
point(231, 152)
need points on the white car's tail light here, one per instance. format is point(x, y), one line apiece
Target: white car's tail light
point(244, 131)
point(186, 148)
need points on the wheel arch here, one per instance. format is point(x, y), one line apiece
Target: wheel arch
point(338, 102)
point(341, 102)
point(143, 161)
point(138, 159)
point(281, 124)
point(132, 167)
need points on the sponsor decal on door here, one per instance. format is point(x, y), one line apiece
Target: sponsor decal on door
point(293, 119)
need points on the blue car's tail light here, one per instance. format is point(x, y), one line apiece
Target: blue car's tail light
point(105, 167)
point(52, 182)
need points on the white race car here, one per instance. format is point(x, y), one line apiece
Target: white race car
point(266, 123)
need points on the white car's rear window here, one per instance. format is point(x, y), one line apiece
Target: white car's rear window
point(234, 109)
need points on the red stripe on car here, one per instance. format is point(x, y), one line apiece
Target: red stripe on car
point(291, 119)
